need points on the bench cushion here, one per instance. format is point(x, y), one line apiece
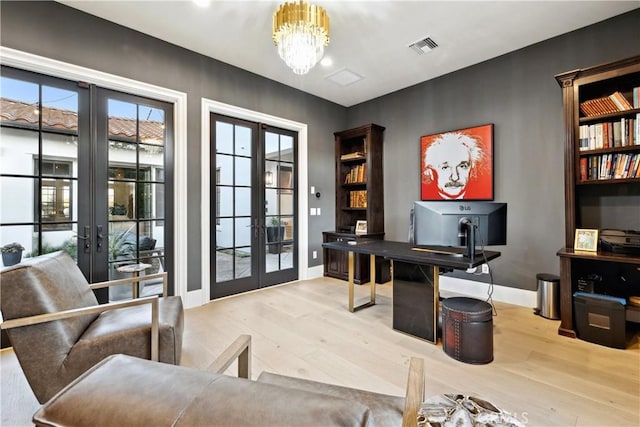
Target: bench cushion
point(385, 410)
point(127, 391)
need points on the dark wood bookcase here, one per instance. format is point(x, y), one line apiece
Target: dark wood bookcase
point(597, 194)
point(359, 197)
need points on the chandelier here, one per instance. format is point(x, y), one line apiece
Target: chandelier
point(301, 31)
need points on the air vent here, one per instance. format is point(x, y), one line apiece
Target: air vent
point(344, 77)
point(424, 45)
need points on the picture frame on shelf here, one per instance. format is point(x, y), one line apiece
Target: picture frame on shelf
point(361, 227)
point(586, 240)
point(457, 165)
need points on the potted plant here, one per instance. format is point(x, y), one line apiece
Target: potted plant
point(11, 253)
point(275, 233)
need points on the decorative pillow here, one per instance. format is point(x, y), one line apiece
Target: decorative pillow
point(459, 410)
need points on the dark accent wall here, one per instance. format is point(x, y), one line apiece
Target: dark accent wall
point(516, 92)
point(56, 31)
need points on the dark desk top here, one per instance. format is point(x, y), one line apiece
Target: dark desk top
point(402, 251)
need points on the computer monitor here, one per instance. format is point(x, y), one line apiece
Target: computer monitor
point(460, 224)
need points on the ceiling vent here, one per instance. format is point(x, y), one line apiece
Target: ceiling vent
point(344, 77)
point(424, 45)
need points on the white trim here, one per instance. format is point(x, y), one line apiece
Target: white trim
point(315, 272)
point(52, 67)
point(210, 106)
point(480, 290)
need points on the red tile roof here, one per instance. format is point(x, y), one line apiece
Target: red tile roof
point(20, 113)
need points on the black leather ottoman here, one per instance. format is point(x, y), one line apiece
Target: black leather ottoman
point(467, 330)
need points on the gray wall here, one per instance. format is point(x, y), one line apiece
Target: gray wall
point(52, 30)
point(516, 92)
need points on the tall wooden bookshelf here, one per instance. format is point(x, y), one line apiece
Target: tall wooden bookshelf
point(359, 196)
point(602, 183)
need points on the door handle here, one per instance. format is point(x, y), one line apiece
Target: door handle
point(99, 238)
point(86, 238)
point(256, 226)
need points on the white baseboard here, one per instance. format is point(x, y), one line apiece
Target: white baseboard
point(194, 299)
point(479, 290)
point(315, 272)
point(455, 285)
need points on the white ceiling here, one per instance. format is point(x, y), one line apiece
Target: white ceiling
point(369, 38)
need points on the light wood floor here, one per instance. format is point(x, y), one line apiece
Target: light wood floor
point(304, 329)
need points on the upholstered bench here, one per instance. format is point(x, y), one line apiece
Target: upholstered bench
point(127, 391)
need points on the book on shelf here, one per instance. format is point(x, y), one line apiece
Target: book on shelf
point(358, 199)
point(620, 101)
point(357, 174)
point(619, 133)
point(353, 155)
point(610, 166)
point(605, 105)
point(584, 173)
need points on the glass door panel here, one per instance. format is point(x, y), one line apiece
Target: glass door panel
point(39, 155)
point(135, 196)
point(279, 200)
point(234, 224)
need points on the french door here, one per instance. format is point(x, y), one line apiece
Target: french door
point(254, 224)
point(88, 171)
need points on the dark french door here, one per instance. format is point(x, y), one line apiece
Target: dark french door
point(88, 171)
point(253, 215)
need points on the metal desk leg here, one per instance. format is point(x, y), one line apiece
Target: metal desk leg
point(372, 284)
point(436, 301)
point(372, 277)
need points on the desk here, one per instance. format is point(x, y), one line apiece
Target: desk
point(415, 280)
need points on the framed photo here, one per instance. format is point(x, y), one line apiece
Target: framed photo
point(457, 165)
point(361, 227)
point(586, 240)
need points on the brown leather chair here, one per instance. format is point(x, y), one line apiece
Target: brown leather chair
point(58, 330)
point(125, 391)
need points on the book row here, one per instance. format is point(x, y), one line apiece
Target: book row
point(610, 166)
point(357, 174)
point(613, 103)
point(358, 199)
point(619, 133)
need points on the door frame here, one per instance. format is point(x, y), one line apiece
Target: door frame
point(209, 106)
point(40, 64)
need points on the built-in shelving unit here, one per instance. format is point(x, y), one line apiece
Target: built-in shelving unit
point(359, 197)
point(602, 182)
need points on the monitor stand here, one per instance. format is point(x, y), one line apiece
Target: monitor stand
point(470, 237)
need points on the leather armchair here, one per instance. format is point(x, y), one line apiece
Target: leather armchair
point(58, 330)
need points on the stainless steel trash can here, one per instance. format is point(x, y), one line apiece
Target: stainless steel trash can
point(548, 296)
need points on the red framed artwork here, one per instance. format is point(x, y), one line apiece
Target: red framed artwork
point(457, 165)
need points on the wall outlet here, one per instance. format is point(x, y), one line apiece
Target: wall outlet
point(485, 268)
point(314, 254)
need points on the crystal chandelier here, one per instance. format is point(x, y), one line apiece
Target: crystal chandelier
point(301, 31)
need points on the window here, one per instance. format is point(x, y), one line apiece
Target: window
point(55, 195)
